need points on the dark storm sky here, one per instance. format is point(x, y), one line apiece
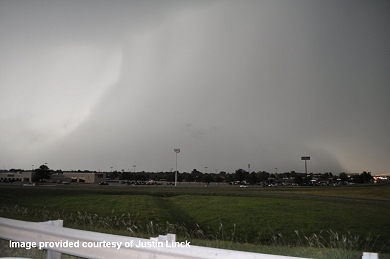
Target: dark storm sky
point(100, 84)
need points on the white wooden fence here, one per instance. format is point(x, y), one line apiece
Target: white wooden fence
point(56, 239)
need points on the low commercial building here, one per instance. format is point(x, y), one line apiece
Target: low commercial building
point(59, 178)
point(21, 176)
point(85, 177)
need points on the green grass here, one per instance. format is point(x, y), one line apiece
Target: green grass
point(252, 214)
point(226, 217)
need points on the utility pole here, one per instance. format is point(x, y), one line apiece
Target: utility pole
point(177, 150)
point(305, 158)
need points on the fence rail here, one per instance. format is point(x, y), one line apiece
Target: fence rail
point(50, 235)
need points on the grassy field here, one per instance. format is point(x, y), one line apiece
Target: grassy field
point(286, 216)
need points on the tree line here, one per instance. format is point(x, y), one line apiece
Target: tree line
point(240, 176)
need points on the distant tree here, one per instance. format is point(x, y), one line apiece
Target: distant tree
point(170, 176)
point(367, 177)
point(218, 179)
point(44, 167)
point(114, 175)
point(286, 175)
point(240, 175)
point(364, 177)
point(263, 176)
point(195, 173)
point(308, 178)
point(179, 177)
point(42, 173)
point(293, 174)
point(298, 179)
point(190, 178)
point(207, 178)
point(15, 170)
point(140, 176)
point(126, 176)
point(229, 178)
point(326, 176)
point(343, 176)
point(252, 179)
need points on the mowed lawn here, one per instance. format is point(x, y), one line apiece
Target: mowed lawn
point(254, 215)
point(249, 215)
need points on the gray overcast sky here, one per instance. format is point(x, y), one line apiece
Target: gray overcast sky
point(100, 84)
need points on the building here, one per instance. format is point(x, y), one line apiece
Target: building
point(21, 176)
point(79, 177)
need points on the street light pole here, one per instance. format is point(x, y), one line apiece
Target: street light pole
point(306, 167)
point(305, 158)
point(177, 150)
point(46, 169)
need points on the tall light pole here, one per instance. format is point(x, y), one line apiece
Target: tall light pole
point(177, 150)
point(46, 169)
point(305, 158)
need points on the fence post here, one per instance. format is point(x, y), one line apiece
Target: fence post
point(168, 237)
point(370, 255)
point(55, 223)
